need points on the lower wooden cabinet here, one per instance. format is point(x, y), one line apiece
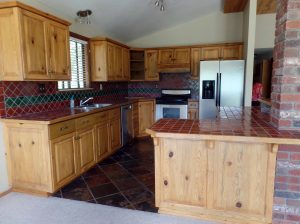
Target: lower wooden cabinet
point(42, 158)
point(64, 159)
point(143, 117)
point(193, 109)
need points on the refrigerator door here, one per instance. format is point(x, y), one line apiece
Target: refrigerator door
point(232, 83)
point(208, 89)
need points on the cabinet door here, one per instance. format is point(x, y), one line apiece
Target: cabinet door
point(102, 140)
point(151, 65)
point(183, 175)
point(29, 157)
point(115, 134)
point(146, 116)
point(193, 114)
point(165, 57)
point(59, 52)
point(210, 53)
point(135, 119)
point(242, 178)
point(34, 30)
point(234, 52)
point(99, 60)
point(63, 154)
point(86, 149)
point(182, 56)
point(110, 61)
point(195, 66)
point(118, 73)
point(10, 45)
point(126, 64)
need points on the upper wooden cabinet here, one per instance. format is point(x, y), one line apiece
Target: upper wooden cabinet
point(34, 45)
point(109, 60)
point(217, 52)
point(174, 60)
point(151, 72)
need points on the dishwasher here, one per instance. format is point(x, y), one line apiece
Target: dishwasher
point(127, 123)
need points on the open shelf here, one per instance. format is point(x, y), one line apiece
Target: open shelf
point(137, 65)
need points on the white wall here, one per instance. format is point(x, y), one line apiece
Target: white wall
point(4, 186)
point(249, 45)
point(214, 28)
point(265, 31)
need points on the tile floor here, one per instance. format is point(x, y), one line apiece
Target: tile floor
point(125, 179)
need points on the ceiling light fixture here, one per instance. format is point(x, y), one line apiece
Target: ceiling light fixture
point(84, 16)
point(161, 4)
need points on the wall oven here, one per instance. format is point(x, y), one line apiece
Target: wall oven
point(173, 104)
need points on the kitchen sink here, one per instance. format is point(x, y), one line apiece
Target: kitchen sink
point(92, 106)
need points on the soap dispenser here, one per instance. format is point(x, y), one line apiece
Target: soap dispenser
point(72, 102)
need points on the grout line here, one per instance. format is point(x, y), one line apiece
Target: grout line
point(89, 189)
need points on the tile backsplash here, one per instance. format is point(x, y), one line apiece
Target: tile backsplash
point(17, 98)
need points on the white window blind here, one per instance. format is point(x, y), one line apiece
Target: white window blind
point(79, 66)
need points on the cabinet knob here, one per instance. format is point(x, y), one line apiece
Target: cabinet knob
point(20, 145)
point(32, 142)
point(99, 69)
point(165, 182)
point(238, 204)
point(171, 154)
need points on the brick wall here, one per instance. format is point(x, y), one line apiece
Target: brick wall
point(285, 112)
point(286, 74)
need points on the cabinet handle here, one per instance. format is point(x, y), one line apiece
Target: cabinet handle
point(165, 182)
point(171, 154)
point(99, 69)
point(238, 204)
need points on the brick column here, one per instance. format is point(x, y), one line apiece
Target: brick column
point(286, 74)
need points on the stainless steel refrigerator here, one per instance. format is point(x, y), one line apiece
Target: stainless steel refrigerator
point(221, 84)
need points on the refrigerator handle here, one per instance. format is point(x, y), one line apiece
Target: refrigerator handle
point(217, 91)
point(220, 85)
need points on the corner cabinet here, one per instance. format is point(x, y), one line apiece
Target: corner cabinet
point(151, 71)
point(214, 52)
point(44, 157)
point(34, 45)
point(109, 60)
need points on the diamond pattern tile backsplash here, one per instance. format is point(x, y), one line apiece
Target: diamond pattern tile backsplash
point(17, 98)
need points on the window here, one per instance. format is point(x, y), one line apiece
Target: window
point(79, 66)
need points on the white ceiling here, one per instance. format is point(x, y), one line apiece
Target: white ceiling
point(127, 20)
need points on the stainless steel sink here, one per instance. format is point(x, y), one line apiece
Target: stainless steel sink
point(92, 106)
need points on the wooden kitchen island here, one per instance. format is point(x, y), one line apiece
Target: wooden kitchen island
point(220, 170)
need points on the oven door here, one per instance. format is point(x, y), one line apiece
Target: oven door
point(171, 111)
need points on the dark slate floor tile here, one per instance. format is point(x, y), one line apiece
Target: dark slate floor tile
point(127, 183)
point(118, 175)
point(57, 194)
point(131, 164)
point(151, 188)
point(138, 195)
point(147, 179)
point(94, 181)
point(76, 184)
point(112, 168)
point(148, 206)
point(79, 194)
point(93, 172)
point(107, 162)
point(139, 171)
point(104, 190)
point(117, 200)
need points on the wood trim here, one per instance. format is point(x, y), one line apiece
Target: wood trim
point(80, 37)
point(5, 193)
point(234, 5)
point(266, 6)
point(33, 10)
point(109, 40)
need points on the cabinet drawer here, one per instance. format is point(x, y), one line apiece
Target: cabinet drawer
point(100, 117)
point(115, 113)
point(193, 105)
point(62, 128)
point(84, 122)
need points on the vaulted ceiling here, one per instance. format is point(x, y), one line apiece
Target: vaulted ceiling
point(127, 20)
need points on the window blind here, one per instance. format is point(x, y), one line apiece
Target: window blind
point(79, 66)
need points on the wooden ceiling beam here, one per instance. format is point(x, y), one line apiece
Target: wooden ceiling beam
point(263, 6)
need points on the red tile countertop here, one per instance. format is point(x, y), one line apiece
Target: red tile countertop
point(243, 122)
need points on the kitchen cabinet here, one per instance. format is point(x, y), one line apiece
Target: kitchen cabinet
point(174, 60)
point(44, 157)
point(35, 45)
point(143, 117)
point(64, 154)
point(151, 72)
point(109, 60)
point(214, 52)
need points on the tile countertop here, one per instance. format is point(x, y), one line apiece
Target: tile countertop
point(51, 117)
point(233, 124)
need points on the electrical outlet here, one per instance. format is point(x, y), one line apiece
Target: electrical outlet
point(101, 86)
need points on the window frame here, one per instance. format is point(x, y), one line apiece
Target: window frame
point(88, 79)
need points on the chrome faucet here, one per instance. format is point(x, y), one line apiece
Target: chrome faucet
point(85, 100)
